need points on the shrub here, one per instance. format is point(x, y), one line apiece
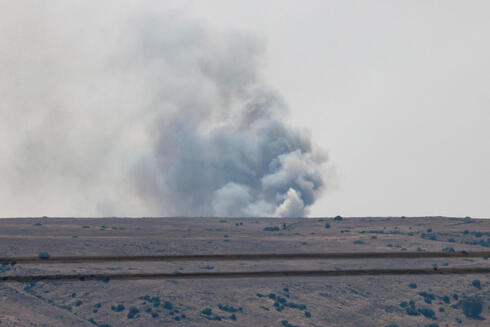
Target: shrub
point(428, 313)
point(472, 306)
point(338, 218)
point(327, 225)
point(285, 323)
point(295, 306)
point(168, 305)
point(428, 297)
point(207, 312)
point(133, 312)
point(118, 308)
point(44, 255)
point(412, 285)
point(229, 308)
point(272, 229)
point(411, 310)
point(476, 283)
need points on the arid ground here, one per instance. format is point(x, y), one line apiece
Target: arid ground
point(283, 301)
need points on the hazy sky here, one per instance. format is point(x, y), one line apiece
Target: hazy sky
point(396, 92)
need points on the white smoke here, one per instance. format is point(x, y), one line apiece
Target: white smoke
point(143, 115)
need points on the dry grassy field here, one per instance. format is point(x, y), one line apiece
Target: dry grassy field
point(283, 301)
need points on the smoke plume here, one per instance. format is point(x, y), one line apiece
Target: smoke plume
point(144, 114)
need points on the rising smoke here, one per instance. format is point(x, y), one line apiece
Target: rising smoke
point(146, 115)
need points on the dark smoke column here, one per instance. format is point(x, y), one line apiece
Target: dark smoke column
point(221, 144)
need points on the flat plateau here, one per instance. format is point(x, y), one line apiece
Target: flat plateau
point(283, 301)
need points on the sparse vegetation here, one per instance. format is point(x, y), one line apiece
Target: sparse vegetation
point(133, 313)
point(44, 255)
point(279, 299)
point(285, 323)
point(118, 308)
point(476, 283)
point(428, 313)
point(229, 308)
point(472, 306)
point(428, 297)
point(207, 312)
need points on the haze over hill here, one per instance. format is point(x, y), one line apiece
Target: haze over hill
point(143, 114)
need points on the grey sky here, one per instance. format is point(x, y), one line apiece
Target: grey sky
point(396, 92)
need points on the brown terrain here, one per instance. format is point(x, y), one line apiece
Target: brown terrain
point(432, 299)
